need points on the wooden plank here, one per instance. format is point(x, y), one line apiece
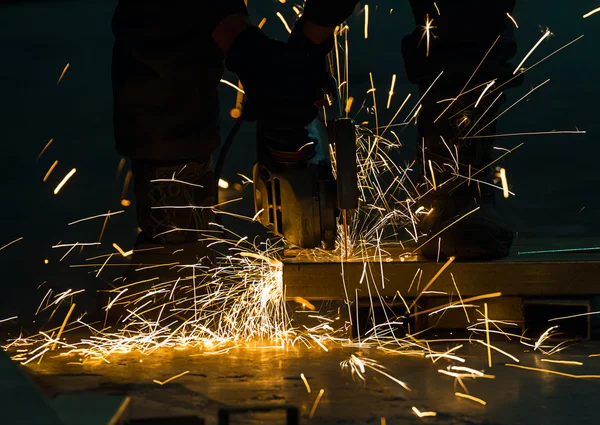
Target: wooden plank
point(315, 280)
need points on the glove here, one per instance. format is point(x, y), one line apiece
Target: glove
point(279, 79)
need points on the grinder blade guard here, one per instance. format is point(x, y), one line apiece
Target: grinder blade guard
point(301, 200)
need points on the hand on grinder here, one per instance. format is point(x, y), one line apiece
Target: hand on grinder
point(279, 79)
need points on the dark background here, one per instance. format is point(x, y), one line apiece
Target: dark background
point(554, 177)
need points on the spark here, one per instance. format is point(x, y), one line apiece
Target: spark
point(487, 334)
point(468, 81)
point(171, 378)
point(513, 20)
point(567, 362)
point(555, 251)
point(62, 327)
point(590, 13)
point(223, 184)
point(532, 133)
point(574, 315)
point(423, 414)
point(391, 93)
point(305, 303)
point(349, 105)
point(64, 181)
point(511, 106)
point(460, 298)
point(484, 92)
point(433, 279)
point(546, 34)
point(437, 8)
point(543, 337)
point(374, 105)
point(468, 369)
point(366, 29)
point(174, 180)
point(445, 228)
point(41, 353)
point(62, 74)
point(259, 212)
point(476, 298)
point(432, 175)
point(445, 356)
point(262, 23)
point(470, 397)
point(123, 253)
point(9, 319)
point(10, 243)
point(305, 145)
point(490, 346)
point(553, 372)
point(230, 84)
point(427, 32)
point(316, 403)
point(44, 149)
point(305, 382)
point(285, 24)
point(108, 214)
point(52, 167)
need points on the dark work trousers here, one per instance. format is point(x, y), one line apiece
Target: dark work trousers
point(166, 68)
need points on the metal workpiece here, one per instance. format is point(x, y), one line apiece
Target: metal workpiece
point(314, 279)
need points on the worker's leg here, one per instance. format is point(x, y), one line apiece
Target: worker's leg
point(452, 153)
point(166, 69)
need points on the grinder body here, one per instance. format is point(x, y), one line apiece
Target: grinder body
point(301, 200)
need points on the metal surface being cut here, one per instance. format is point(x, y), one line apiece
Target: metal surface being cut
point(572, 273)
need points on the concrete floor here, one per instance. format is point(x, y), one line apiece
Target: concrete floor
point(247, 376)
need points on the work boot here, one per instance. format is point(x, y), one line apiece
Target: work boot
point(455, 154)
point(174, 208)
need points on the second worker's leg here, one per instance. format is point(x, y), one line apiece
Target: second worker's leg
point(165, 70)
point(454, 149)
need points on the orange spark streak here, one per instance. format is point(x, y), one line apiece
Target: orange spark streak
point(52, 167)
point(123, 253)
point(513, 20)
point(104, 226)
point(64, 181)
point(504, 182)
point(444, 229)
point(433, 279)
point(366, 21)
point(44, 149)
point(62, 74)
point(590, 13)
point(477, 298)
point(305, 382)
point(569, 362)
point(10, 243)
point(470, 397)
point(546, 34)
point(171, 378)
point(487, 334)
point(391, 94)
point(62, 328)
point(553, 372)
point(423, 414)
point(285, 24)
point(316, 403)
